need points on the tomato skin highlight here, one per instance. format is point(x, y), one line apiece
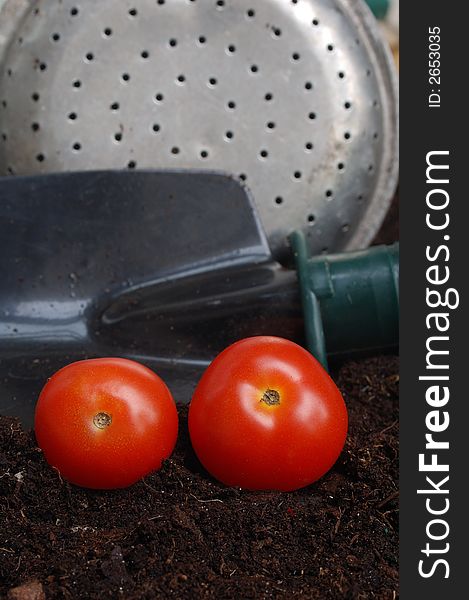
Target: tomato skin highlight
point(267, 416)
point(105, 423)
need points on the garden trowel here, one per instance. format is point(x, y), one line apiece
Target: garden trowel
point(167, 268)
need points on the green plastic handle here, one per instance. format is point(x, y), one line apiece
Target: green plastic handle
point(379, 7)
point(350, 300)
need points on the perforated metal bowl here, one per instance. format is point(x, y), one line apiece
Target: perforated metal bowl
point(298, 98)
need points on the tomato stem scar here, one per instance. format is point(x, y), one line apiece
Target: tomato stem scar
point(271, 397)
point(102, 420)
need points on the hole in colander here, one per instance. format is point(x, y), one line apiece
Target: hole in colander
point(276, 31)
point(311, 116)
point(144, 54)
point(107, 32)
point(77, 83)
point(370, 168)
point(220, 3)
point(131, 164)
point(295, 56)
point(173, 42)
point(125, 77)
point(156, 127)
point(34, 96)
point(264, 153)
point(181, 78)
point(74, 11)
point(251, 13)
point(308, 85)
point(311, 219)
point(254, 68)
point(347, 135)
point(330, 47)
point(89, 56)
point(212, 81)
point(270, 125)
point(5, 104)
point(115, 106)
point(328, 193)
point(268, 97)
point(340, 166)
point(309, 146)
point(375, 135)
point(35, 126)
point(243, 176)
point(161, 2)
point(55, 37)
point(4, 137)
point(42, 66)
point(359, 198)
point(231, 49)
point(229, 135)
point(341, 74)
point(72, 116)
point(375, 103)
point(203, 154)
point(133, 12)
point(347, 105)
point(231, 105)
point(118, 136)
point(40, 157)
point(278, 200)
point(159, 97)
point(315, 22)
point(175, 150)
point(77, 146)
point(202, 39)
point(297, 174)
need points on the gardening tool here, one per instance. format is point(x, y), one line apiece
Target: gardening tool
point(298, 98)
point(166, 268)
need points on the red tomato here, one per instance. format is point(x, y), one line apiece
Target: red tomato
point(266, 415)
point(106, 422)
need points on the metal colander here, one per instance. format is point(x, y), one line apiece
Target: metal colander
point(297, 98)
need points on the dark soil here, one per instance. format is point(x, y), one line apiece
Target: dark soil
point(180, 534)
